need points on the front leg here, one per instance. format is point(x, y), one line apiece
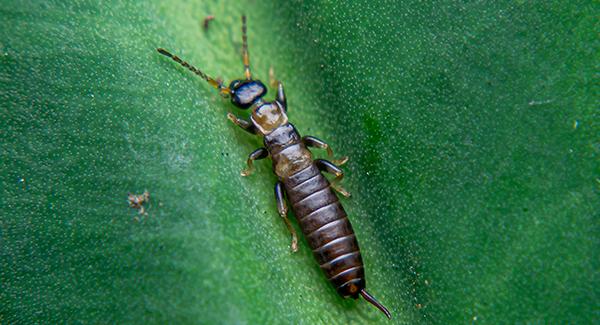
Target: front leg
point(311, 141)
point(260, 153)
point(281, 96)
point(283, 210)
point(245, 125)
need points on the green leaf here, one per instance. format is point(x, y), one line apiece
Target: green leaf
point(472, 131)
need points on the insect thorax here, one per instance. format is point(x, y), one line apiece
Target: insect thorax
point(268, 116)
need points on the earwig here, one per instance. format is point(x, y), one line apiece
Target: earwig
point(317, 208)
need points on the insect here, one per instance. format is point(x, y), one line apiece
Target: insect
point(314, 202)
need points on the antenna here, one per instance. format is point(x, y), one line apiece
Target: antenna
point(245, 55)
point(216, 84)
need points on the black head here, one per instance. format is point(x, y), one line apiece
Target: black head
point(245, 92)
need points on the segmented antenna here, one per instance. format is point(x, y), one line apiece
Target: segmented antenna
point(375, 303)
point(216, 84)
point(246, 56)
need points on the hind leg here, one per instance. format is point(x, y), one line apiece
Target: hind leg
point(328, 167)
point(311, 141)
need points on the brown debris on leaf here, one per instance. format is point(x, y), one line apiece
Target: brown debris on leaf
point(206, 21)
point(137, 202)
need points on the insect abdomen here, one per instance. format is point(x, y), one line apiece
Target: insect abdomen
point(327, 229)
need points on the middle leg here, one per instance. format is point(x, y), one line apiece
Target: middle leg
point(283, 210)
point(260, 153)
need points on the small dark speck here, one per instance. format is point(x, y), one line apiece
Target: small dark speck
point(525, 209)
point(206, 21)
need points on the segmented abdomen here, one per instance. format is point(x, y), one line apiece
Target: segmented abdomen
point(327, 229)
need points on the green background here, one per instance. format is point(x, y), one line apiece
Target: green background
point(472, 131)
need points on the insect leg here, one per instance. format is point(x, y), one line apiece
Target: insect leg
point(281, 96)
point(329, 167)
point(257, 154)
point(283, 210)
point(311, 141)
point(273, 82)
point(245, 125)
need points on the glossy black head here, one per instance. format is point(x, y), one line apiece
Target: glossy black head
point(245, 92)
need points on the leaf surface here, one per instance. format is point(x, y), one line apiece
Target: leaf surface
point(472, 131)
